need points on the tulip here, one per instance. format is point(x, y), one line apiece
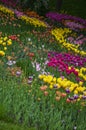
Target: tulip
point(46, 93)
point(57, 98)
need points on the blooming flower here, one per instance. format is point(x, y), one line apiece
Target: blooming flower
point(4, 42)
point(60, 35)
point(65, 84)
point(62, 17)
point(10, 62)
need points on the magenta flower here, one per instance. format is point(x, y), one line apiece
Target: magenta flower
point(60, 17)
point(63, 61)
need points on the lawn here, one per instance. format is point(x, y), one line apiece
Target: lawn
point(10, 126)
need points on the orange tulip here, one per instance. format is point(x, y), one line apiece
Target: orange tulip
point(58, 98)
point(46, 93)
point(63, 94)
point(68, 100)
point(58, 93)
point(31, 54)
point(43, 88)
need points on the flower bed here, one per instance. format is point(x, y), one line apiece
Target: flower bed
point(42, 73)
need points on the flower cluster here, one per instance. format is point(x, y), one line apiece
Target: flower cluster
point(73, 25)
point(6, 10)
point(14, 37)
point(32, 14)
point(33, 21)
point(68, 63)
point(61, 34)
point(4, 42)
point(80, 40)
point(74, 90)
point(61, 17)
point(81, 73)
point(9, 2)
point(18, 13)
point(62, 67)
point(64, 60)
point(6, 20)
point(67, 58)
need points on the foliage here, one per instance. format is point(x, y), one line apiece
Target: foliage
point(39, 6)
point(11, 126)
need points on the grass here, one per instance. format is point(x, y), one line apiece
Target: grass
point(11, 126)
